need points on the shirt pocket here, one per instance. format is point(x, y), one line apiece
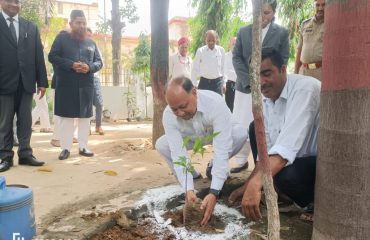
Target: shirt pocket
point(218, 59)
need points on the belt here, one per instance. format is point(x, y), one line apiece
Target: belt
point(312, 65)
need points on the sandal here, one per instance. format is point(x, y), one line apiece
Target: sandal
point(307, 217)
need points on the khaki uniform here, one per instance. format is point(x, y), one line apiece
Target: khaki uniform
point(311, 42)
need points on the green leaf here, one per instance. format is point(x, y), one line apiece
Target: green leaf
point(198, 144)
point(211, 136)
point(186, 141)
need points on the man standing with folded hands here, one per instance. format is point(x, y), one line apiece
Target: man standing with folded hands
point(75, 58)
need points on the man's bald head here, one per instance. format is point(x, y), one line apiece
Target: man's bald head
point(181, 97)
point(211, 38)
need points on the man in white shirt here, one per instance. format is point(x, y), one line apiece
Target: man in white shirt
point(198, 113)
point(230, 76)
point(291, 115)
point(209, 65)
point(180, 63)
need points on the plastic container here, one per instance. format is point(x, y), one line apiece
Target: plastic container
point(17, 218)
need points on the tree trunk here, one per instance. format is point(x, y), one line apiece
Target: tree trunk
point(116, 26)
point(158, 61)
point(342, 194)
point(273, 231)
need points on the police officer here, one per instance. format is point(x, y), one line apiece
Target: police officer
point(309, 52)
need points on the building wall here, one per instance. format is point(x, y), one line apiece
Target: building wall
point(63, 8)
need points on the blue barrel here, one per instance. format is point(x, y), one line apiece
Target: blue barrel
point(17, 218)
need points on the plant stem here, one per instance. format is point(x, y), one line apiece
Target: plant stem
point(186, 197)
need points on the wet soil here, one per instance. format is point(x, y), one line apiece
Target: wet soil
point(194, 217)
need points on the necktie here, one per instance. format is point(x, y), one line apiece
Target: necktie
point(12, 29)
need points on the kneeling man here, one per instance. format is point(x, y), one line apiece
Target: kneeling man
point(291, 116)
point(198, 113)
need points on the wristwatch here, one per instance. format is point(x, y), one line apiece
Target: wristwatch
point(215, 192)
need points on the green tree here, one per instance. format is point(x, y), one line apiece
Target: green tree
point(292, 13)
point(141, 63)
point(31, 10)
point(218, 15)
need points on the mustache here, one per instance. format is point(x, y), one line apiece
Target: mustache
point(264, 86)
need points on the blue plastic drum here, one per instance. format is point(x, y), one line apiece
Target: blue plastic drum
point(17, 218)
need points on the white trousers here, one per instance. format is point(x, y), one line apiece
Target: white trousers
point(41, 111)
point(243, 114)
point(67, 127)
point(56, 132)
point(239, 137)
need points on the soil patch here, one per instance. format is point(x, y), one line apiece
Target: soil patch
point(194, 217)
point(143, 230)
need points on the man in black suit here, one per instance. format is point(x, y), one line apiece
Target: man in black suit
point(21, 67)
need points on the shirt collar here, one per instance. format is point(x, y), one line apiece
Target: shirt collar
point(267, 27)
point(6, 16)
point(208, 49)
point(200, 105)
point(317, 21)
point(283, 94)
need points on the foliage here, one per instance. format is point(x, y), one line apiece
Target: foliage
point(103, 27)
point(218, 15)
point(198, 148)
point(292, 13)
point(31, 10)
point(132, 110)
point(142, 57)
point(128, 14)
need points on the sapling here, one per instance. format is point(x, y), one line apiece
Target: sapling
point(187, 164)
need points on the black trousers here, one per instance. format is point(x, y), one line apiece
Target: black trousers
point(230, 94)
point(19, 103)
point(211, 84)
point(297, 180)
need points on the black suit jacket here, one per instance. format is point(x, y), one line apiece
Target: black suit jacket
point(24, 60)
point(276, 37)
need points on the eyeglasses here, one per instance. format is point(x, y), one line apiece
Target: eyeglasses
point(16, 2)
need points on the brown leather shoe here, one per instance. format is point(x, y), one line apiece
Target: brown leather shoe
point(99, 130)
point(30, 161)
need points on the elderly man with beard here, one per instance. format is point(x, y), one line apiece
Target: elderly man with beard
point(75, 58)
point(291, 115)
point(197, 113)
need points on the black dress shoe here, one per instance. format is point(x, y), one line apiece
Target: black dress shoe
point(86, 152)
point(209, 171)
point(64, 154)
point(6, 163)
point(30, 161)
point(239, 169)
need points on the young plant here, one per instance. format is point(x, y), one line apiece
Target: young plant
point(187, 164)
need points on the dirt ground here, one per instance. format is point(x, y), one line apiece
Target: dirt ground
point(123, 163)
